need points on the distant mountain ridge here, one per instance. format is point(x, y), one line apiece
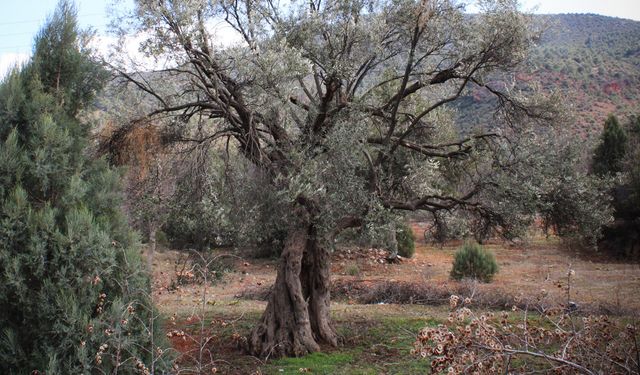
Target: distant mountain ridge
point(593, 61)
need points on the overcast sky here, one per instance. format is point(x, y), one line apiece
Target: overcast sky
point(20, 20)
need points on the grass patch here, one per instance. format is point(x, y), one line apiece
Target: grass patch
point(371, 347)
point(353, 270)
point(317, 363)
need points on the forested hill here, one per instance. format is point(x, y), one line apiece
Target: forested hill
point(592, 60)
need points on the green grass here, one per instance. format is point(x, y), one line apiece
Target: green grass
point(317, 363)
point(353, 270)
point(371, 347)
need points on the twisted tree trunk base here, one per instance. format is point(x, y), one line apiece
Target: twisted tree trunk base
point(297, 317)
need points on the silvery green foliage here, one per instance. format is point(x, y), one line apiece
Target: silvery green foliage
point(343, 107)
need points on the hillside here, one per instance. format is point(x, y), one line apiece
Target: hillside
point(592, 61)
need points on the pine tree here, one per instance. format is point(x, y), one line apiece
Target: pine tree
point(74, 295)
point(610, 152)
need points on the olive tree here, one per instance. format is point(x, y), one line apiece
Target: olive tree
point(341, 113)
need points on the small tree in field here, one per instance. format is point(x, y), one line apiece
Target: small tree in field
point(406, 240)
point(150, 180)
point(337, 112)
point(74, 297)
point(473, 261)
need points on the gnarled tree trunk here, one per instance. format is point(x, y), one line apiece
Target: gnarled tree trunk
point(316, 282)
point(296, 320)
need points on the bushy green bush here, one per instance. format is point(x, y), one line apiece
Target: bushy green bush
point(472, 261)
point(406, 240)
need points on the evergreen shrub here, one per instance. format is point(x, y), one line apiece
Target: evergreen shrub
point(406, 240)
point(473, 261)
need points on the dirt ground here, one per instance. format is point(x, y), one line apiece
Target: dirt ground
point(378, 337)
point(524, 269)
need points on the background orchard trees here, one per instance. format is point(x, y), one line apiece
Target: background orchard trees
point(74, 297)
point(337, 114)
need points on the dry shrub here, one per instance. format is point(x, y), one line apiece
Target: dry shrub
point(403, 293)
point(195, 339)
point(136, 144)
point(407, 293)
point(546, 341)
point(416, 293)
point(195, 267)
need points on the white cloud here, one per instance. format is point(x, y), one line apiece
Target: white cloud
point(8, 60)
point(223, 34)
point(126, 51)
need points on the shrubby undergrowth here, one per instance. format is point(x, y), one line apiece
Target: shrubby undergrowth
point(552, 340)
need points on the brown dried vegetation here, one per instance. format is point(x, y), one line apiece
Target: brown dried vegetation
point(552, 340)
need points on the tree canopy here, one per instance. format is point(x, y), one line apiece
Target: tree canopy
point(338, 114)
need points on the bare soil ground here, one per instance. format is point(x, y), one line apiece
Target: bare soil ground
point(378, 337)
point(525, 269)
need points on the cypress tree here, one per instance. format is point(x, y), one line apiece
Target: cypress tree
point(610, 152)
point(74, 294)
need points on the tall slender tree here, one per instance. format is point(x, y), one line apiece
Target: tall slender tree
point(73, 294)
point(622, 236)
point(632, 162)
point(610, 153)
